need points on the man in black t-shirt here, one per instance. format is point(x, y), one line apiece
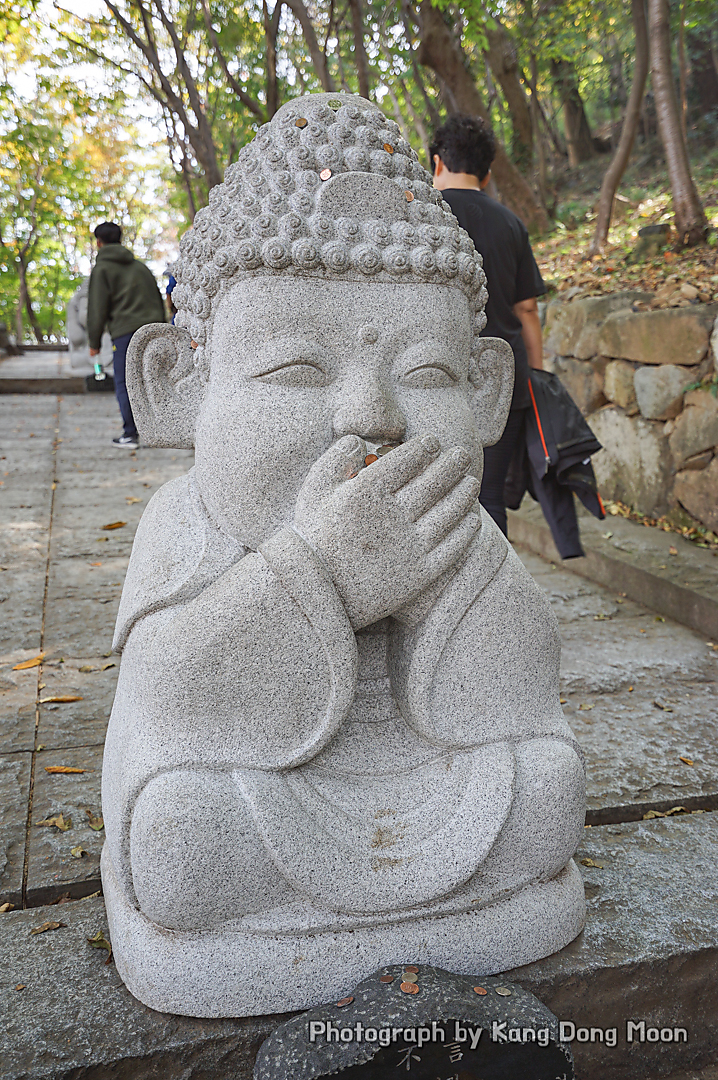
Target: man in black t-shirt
point(461, 153)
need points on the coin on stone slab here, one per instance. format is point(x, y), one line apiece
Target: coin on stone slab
point(409, 988)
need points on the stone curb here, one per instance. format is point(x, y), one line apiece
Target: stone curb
point(649, 952)
point(71, 384)
point(620, 570)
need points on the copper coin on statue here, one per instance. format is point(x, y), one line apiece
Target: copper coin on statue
point(503, 991)
point(409, 196)
point(370, 459)
point(480, 990)
point(412, 968)
point(389, 148)
point(301, 122)
point(409, 988)
point(345, 1001)
point(409, 976)
point(386, 978)
point(325, 174)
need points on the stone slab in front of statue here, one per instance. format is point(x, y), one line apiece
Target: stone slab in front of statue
point(337, 726)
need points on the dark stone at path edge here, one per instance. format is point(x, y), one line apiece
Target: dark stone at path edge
point(444, 1004)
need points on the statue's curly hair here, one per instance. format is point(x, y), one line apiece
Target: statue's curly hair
point(274, 213)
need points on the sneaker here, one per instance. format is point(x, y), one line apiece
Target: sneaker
point(128, 442)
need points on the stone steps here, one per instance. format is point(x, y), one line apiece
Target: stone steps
point(634, 560)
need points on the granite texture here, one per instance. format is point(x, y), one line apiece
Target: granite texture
point(336, 719)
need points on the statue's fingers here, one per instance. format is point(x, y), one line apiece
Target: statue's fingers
point(434, 483)
point(404, 462)
point(341, 461)
point(449, 512)
point(453, 546)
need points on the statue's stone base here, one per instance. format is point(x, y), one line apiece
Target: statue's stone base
point(227, 973)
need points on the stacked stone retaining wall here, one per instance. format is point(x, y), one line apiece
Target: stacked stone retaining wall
point(634, 374)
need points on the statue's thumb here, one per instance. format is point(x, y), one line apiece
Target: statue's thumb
point(340, 462)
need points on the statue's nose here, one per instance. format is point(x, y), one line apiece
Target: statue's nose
point(370, 411)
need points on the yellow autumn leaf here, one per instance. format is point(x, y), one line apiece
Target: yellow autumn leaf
point(62, 769)
point(35, 662)
point(61, 698)
point(114, 525)
point(58, 821)
point(47, 926)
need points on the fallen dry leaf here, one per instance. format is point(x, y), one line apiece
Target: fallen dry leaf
point(77, 852)
point(585, 708)
point(6, 907)
point(47, 926)
point(686, 761)
point(99, 941)
point(130, 499)
point(672, 551)
point(664, 813)
point(95, 564)
point(62, 769)
point(660, 705)
point(95, 823)
point(62, 698)
point(106, 667)
point(59, 822)
point(114, 525)
point(20, 986)
point(87, 668)
point(35, 662)
point(563, 701)
point(590, 862)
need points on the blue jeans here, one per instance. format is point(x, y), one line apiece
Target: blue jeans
point(119, 355)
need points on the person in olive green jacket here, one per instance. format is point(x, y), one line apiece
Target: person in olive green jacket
point(123, 296)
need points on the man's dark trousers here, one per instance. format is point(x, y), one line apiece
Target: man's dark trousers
point(119, 355)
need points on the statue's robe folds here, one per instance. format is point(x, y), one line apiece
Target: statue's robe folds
point(417, 766)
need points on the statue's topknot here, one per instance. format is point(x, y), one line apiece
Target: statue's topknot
point(328, 188)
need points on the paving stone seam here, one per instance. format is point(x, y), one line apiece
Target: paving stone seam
point(33, 758)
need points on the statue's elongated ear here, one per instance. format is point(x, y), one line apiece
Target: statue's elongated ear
point(491, 374)
point(163, 384)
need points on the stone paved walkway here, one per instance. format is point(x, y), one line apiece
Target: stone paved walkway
point(639, 692)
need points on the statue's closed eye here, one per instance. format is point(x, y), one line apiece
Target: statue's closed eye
point(428, 377)
point(428, 366)
point(291, 362)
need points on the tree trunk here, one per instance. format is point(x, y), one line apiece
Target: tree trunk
point(616, 169)
point(319, 60)
point(690, 219)
point(505, 69)
point(682, 66)
point(361, 60)
point(24, 301)
point(440, 51)
point(271, 26)
point(579, 141)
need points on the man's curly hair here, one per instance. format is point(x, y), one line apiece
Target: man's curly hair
point(465, 144)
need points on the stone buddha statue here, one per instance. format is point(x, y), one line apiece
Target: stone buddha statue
point(336, 741)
